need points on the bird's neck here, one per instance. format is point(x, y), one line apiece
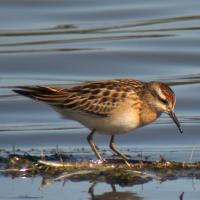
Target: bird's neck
point(148, 115)
point(148, 112)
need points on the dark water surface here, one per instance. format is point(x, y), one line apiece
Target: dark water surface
point(66, 42)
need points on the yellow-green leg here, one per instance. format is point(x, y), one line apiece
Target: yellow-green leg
point(117, 151)
point(93, 145)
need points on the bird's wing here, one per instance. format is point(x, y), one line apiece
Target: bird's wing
point(98, 98)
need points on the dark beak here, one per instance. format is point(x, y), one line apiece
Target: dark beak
point(173, 116)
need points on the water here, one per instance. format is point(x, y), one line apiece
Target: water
point(153, 190)
point(66, 42)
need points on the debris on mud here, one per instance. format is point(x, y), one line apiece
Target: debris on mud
point(54, 168)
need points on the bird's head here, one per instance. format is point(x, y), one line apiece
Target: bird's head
point(164, 100)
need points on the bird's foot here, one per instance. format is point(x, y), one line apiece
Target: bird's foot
point(127, 163)
point(98, 161)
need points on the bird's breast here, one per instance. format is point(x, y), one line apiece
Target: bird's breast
point(123, 119)
point(148, 116)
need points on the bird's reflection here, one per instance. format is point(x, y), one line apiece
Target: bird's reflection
point(113, 194)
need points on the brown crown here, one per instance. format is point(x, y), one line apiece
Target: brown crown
point(167, 91)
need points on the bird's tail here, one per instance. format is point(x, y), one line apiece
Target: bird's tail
point(53, 96)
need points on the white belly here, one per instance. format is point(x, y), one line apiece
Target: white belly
point(114, 124)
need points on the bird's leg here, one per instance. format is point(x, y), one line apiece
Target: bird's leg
point(113, 187)
point(93, 145)
point(117, 151)
point(91, 189)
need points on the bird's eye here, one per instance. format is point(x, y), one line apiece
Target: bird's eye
point(161, 99)
point(164, 101)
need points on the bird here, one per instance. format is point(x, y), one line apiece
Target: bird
point(110, 107)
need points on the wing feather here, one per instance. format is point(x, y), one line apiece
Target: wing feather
point(98, 98)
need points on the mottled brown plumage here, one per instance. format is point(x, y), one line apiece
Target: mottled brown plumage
point(99, 98)
point(111, 107)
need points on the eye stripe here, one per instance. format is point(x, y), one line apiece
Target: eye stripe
point(168, 92)
point(164, 101)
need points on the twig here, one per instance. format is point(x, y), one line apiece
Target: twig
point(181, 196)
point(54, 164)
point(191, 155)
point(68, 175)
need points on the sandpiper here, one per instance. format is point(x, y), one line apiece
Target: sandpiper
point(110, 107)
